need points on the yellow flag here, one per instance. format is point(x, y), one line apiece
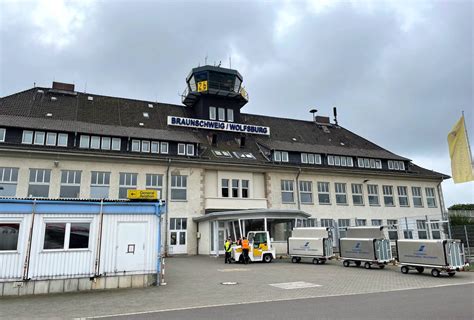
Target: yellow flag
point(460, 153)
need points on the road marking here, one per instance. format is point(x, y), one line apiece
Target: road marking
point(295, 285)
point(264, 301)
point(233, 270)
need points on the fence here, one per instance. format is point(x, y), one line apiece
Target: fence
point(466, 234)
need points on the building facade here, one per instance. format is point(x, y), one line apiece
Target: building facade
point(222, 172)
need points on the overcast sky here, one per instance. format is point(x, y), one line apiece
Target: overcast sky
point(399, 72)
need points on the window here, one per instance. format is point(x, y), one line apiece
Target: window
point(230, 115)
point(245, 188)
point(369, 163)
point(430, 197)
point(155, 147)
point(212, 113)
point(421, 226)
point(145, 146)
point(287, 191)
point(357, 196)
point(95, 142)
point(396, 165)
point(39, 138)
point(105, 143)
point(221, 114)
point(51, 139)
point(116, 144)
point(323, 193)
point(2, 134)
point(235, 188)
point(70, 184)
point(306, 192)
point(164, 147)
point(27, 137)
point(62, 139)
point(284, 156)
point(376, 222)
point(84, 142)
point(66, 236)
point(8, 181)
point(341, 197)
point(136, 145)
point(178, 187)
point(190, 149)
point(435, 231)
point(280, 156)
point(343, 224)
point(127, 181)
point(181, 149)
point(9, 236)
point(39, 183)
point(177, 225)
point(361, 222)
point(417, 198)
point(304, 158)
point(100, 183)
point(225, 188)
point(392, 229)
point(388, 196)
point(340, 161)
point(408, 234)
point(402, 196)
point(373, 193)
point(154, 182)
point(310, 158)
point(327, 223)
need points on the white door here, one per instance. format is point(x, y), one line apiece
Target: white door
point(131, 242)
point(178, 235)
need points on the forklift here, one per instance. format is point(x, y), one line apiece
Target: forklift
point(260, 248)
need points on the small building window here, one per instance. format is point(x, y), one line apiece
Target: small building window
point(225, 188)
point(306, 192)
point(323, 193)
point(154, 182)
point(361, 222)
point(27, 137)
point(287, 195)
point(66, 236)
point(235, 188)
point(178, 187)
point(62, 139)
point(342, 225)
point(221, 114)
point(116, 144)
point(181, 149)
point(430, 197)
point(105, 145)
point(435, 231)
point(388, 196)
point(341, 197)
point(403, 196)
point(357, 196)
point(2, 134)
point(127, 181)
point(95, 142)
point(54, 236)
point(8, 181)
point(284, 156)
point(84, 142)
point(155, 147)
point(100, 183)
point(245, 188)
point(190, 149)
point(277, 156)
point(39, 183)
point(327, 223)
point(39, 137)
point(392, 229)
point(230, 115)
point(51, 139)
point(135, 145)
point(421, 226)
point(376, 222)
point(9, 236)
point(145, 146)
point(212, 113)
point(164, 147)
point(310, 158)
point(417, 197)
point(373, 193)
point(70, 184)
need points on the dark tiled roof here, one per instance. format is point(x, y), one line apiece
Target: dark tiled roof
point(115, 116)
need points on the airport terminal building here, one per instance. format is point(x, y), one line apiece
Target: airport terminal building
point(222, 172)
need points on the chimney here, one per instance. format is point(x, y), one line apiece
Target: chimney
point(322, 120)
point(63, 86)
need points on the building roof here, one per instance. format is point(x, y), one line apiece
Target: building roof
point(102, 115)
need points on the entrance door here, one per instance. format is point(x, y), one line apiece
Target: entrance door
point(178, 235)
point(130, 247)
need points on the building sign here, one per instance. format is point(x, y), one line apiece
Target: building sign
point(143, 194)
point(202, 86)
point(217, 125)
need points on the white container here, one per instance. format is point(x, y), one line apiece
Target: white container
point(313, 243)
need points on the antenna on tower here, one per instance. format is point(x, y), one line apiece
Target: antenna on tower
point(335, 115)
point(230, 62)
point(313, 111)
point(205, 60)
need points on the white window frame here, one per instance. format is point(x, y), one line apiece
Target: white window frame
point(287, 187)
point(3, 133)
point(61, 137)
point(421, 227)
point(76, 180)
point(155, 144)
point(67, 233)
point(127, 183)
point(402, 192)
point(245, 186)
point(146, 146)
point(190, 149)
point(357, 190)
point(95, 142)
point(105, 143)
point(181, 149)
point(40, 137)
point(306, 188)
point(430, 197)
point(116, 144)
point(48, 136)
point(154, 181)
point(340, 190)
point(136, 145)
point(277, 156)
point(102, 176)
point(304, 158)
point(392, 226)
point(376, 222)
point(323, 189)
point(164, 147)
point(212, 113)
point(327, 223)
point(221, 114)
point(387, 192)
point(84, 141)
point(284, 156)
point(177, 182)
point(43, 182)
point(370, 193)
point(361, 222)
point(230, 115)
point(416, 196)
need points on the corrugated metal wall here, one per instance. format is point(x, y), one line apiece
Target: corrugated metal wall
point(11, 263)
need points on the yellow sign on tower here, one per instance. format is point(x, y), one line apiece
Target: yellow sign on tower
point(202, 86)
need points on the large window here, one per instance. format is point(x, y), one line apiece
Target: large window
point(402, 196)
point(392, 229)
point(340, 161)
point(178, 187)
point(70, 184)
point(39, 183)
point(396, 165)
point(100, 184)
point(422, 232)
point(328, 223)
point(323, 193)
point(388, 196)
point(287, 195)
point(417, 197)
point(9, 236)
point(430, 197)
point(154, 182)
point(369, 163)
point(310, 158)
point(127, 181)
point(373, 193)
point(306, 192)
point(341, 197)
point(357, 196)
point(8, 181)
point(65, 236)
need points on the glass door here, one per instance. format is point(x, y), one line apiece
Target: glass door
point(178, 235)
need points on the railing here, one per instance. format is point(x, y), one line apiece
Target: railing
point(215, 85)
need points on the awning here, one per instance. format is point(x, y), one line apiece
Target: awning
point(254, 214)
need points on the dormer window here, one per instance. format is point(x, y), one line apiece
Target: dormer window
point(396, 165)
point(221, 114)
point(280, 156)
point(212, 113)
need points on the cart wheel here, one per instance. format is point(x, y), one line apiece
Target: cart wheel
point(267, 258)
point(346, 263)
point(357, 263)
point(322, 261)
point(294, 259)
point(299, 259)
point(451, 274)
point(435, 272)
point(381, 266)
point(367, 265)
point(405, 269)
point(315, 261)
point(420, 269)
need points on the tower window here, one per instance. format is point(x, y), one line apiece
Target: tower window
point(212, 113)
point(230, 115)
point(221, 114)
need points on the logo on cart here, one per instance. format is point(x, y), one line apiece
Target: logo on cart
point(356, 247)
point(422, 248)
point(421, 251)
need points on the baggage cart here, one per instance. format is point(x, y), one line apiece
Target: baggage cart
point(367, 251)
point(311, 243)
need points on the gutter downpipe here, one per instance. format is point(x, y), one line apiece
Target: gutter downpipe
point(99, 239)
point(298, 189)
point(166, 206)
point(160, 263)
point(26, 266)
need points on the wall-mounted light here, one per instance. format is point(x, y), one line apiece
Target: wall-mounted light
point(56, 163)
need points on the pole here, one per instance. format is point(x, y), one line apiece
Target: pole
point(428, 227)
point(26, 266)
point(99, 238)
point(406, 226)
point(467, 241)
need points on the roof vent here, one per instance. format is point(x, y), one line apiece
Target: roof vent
point(40, 91)
point(90, 98)
point(294, 139)
point(150, 106)
point(146, 115)
point(63, 86)
point(141, 124)
point(49, 114)
point(54, 98)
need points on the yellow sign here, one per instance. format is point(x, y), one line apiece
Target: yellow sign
point(202, 86)
point(143, 194)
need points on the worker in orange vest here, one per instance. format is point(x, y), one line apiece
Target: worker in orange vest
point(245, 250)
